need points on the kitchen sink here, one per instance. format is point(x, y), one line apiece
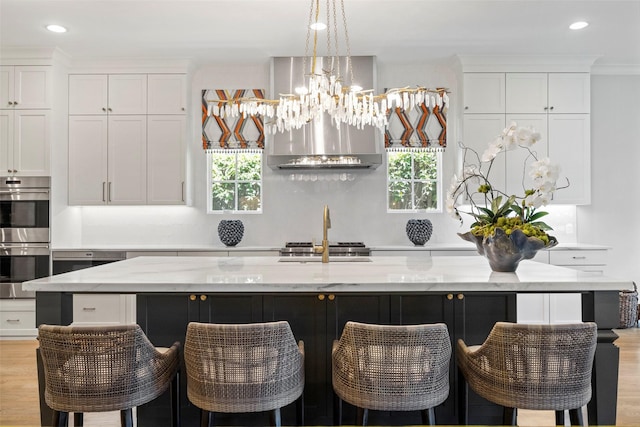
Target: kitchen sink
point(332, 259)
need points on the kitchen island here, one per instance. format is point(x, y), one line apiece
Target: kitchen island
point(318, 299)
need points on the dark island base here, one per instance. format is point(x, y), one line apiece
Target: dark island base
point(318, 319)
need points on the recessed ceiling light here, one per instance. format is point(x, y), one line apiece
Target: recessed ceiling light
point(578, 25)
point(56, 28)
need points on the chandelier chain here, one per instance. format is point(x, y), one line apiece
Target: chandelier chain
point(346, 39)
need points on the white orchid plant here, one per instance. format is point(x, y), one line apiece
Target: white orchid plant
point(506, 211)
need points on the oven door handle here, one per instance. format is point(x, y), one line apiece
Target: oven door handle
point(24, 194)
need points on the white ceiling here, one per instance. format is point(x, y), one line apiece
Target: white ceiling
point(207, 31)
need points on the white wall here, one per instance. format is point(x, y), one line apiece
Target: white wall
point(292, 210)
point(613, 218)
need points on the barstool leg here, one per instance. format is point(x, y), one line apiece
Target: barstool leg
point(575, 415)
point(559, 418)
point(300, 410)
point(509, 416)
point(60, 419)
point(429, 417)
point(78, 419)
point(362, 416)
point(174, 393)
point(206, 418)
point(337, 410)
point(275, 418)
point(126, 418)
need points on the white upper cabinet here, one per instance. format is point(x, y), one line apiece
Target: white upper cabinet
point(484, 93)
point(24, 142)
point(556, 104)
point(569, 93)
point(25, 87)
point(165, 150)
point(527, 93)
point(107, 94)
point(552, 93)
point(118, 153)
point(167, 94)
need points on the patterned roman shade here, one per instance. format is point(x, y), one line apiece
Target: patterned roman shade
point(422, 127)
point(224, 131)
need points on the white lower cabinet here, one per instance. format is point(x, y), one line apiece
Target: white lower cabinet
point(103, 309)
point(545, 308)
point(17, 318)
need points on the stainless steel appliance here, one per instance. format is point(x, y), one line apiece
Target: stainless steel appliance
point(335, 249)
point(66, 261)
point(24, 233)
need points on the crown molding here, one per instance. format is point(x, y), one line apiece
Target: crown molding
point(527, 63)
point(616, 69)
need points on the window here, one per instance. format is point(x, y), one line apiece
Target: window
point(413, 180)
point(235, 181)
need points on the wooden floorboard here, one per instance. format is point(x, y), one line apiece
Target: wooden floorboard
point(19, 388)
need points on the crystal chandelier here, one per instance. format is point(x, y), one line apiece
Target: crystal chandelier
point(327, 90)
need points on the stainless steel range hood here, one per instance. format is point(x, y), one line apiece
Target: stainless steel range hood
point(320, 144)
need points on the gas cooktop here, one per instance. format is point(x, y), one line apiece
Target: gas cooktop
point(335, 249)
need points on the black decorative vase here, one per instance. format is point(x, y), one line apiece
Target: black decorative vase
point(419, 231)
point(504, 252)
point(230, 231)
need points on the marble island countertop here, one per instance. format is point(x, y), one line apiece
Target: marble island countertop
point(419, 273)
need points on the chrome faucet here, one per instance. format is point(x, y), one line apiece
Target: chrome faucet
point(326, 225)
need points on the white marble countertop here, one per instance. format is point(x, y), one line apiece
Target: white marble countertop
point(419, 273)
point(429, 246)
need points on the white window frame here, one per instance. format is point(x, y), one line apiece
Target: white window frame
point(439, 186)
point(235, 181)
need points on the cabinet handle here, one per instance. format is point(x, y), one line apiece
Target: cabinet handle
point(183, 191)
point(551, 108)
point(449, 297)
point(110, 110)
point(579, 257)
point(466, 107)
point(109, 192)
point(203, 297)
point(10, 103)
point(192, 297)
point(104, 109)
point(182, 108)
point(546, 108)
point(321, 297)
point(460, 296)
point(15, 102)
point(13, 320)
point(103, 192)
point(88, 309)
point(331, 297)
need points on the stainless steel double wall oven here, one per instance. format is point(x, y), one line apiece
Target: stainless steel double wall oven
point(24, 233)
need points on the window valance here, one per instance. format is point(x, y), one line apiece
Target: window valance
point(224, 131)
point(424, 127)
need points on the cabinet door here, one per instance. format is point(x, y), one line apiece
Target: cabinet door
point(484, 93)
point(307, 315)
point(570, 147)
point(167, 94)
point(127, 94)
point(480, 130)
point(165, 159)
point(6, 86)
point(32, 87)
point(87, 160)
point(526, 93)
point(31, 143)
point(518, 162)
point(6, 141)
point(569, 93)
point(533, 308)
point(88, 94)
point(127, 160)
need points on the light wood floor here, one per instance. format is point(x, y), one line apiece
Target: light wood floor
point(19, 388)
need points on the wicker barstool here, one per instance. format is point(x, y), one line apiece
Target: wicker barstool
point(542, 367)
point(104, 368)
point(240, 368)
point(392, 368)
